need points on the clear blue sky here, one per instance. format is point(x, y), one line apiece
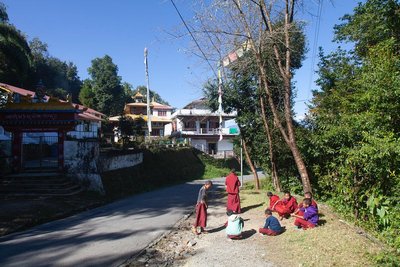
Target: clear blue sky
point(81, 30)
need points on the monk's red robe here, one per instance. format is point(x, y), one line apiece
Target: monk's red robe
point(232, 188)
point(272, 200)
point(287, 207)
point(201, 215)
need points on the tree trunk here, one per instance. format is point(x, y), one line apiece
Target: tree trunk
point(301, 166)
point(285, 72)
point(282, 60)
point(274, 172)
point(251, 165)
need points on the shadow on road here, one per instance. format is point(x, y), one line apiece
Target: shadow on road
point(118, 225)
point(244, 209)
point(248, 233)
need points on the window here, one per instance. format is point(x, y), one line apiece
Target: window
point(162, 113)
point(155, 132)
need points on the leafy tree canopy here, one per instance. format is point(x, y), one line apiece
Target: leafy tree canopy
point(59, 77)
point(372, 22)
point(15, 54)
point(105, 87)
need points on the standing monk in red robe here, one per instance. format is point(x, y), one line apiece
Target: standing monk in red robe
point(232, 185)
point(201, 209)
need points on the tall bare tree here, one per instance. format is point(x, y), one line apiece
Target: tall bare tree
point(256, 27)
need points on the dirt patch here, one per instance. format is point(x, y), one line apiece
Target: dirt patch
point(20, 214)
point(334, 243)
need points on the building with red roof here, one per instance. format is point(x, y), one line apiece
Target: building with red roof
point(37, 126)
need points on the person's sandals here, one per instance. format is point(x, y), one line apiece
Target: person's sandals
point(194, 230)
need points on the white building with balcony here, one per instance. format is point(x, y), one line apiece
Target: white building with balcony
point(200, 125)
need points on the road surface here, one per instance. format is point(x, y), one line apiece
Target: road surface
point(105, 236)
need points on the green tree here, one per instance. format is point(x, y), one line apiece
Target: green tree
point(354, 121)
point(259, 28)
point(128, 91)
point(130, 128)
point(15, 54)
point(87, 95)
point(106, 86)
point(3, 13)
point(371, 23)
point(59, 77)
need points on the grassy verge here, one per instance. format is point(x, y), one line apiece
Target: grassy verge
point(334, 243)
point(159, 168)
point(218, 167)
point(165, 167)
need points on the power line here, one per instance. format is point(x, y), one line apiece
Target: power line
point(315, 44)
point(194, 39)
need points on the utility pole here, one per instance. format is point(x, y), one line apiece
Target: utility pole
point(241, 161)
point(148, 94)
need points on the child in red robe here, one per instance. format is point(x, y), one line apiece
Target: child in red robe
point(201, 209)
point(288, 206)
point(273, 200)
point(232, 185)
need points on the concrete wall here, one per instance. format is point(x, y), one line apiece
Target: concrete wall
point(200, 144)
point(80, 161)
point(168, 129)
point(83, 161)
point(110, 163)
point(5, 157)
point(225, 145)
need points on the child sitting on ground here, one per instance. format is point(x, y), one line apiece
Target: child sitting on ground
point(272, 225)
point(234, 226)
point(310, 218)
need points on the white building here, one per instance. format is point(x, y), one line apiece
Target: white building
point(201, 126)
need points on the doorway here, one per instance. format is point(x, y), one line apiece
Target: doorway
point(39, 150)
point(212, 148)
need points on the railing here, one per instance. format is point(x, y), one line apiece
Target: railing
point(83, 134)
point(210, 131)
point(224, 154)
point(221, 154)
point(201, 112)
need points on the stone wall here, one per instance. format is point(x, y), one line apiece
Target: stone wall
point(110, 163)
point(83, 161)
point(80, 162)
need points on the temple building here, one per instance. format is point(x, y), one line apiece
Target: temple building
point(34, 126)
point(160, 115)
point(201, 126)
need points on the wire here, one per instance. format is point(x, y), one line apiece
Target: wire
point(194, 39)
point(315, 44)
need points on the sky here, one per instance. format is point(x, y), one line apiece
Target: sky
point(81, 30)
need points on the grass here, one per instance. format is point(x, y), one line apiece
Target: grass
point(334, 243)
point(214, 168)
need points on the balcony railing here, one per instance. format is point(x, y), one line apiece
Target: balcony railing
point(82, 134)
point(220, 154)
point(210, 131)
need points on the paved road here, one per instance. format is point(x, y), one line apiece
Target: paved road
point(105, 236)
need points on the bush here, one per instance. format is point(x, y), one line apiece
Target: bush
point(160, 167)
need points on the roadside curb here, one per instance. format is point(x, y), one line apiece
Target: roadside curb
point(155, 241)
